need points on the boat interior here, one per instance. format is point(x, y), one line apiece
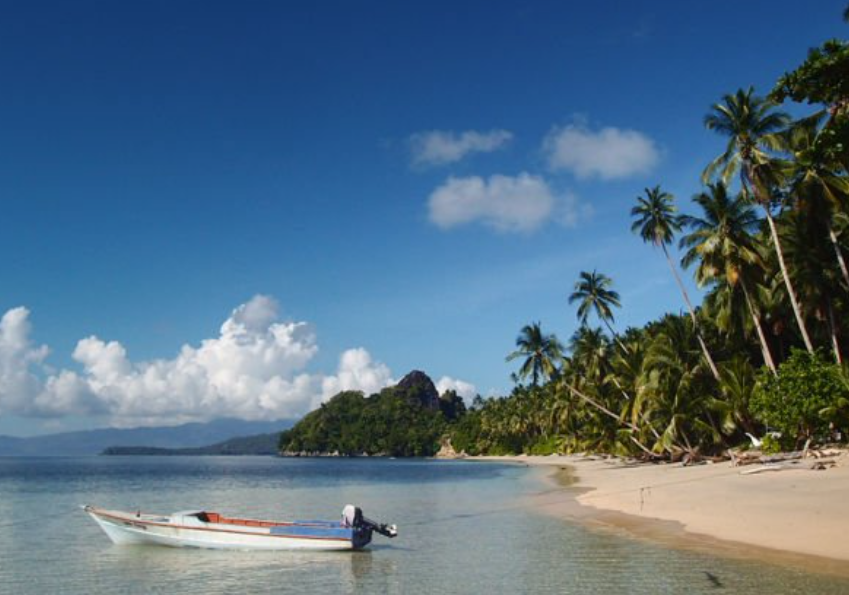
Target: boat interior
point(214, 517)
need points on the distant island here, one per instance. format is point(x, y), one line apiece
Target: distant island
point(405, 420)
point(261, 444)
point(195, 435)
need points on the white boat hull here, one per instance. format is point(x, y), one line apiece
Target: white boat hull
point(136, 529)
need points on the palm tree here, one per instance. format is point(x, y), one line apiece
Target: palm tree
point(594, 293)
point(590, 350)
point(657, 223)
point(752, 124)
point(722, 244)
point(541, 353)
point(803, 234)
point(816, 181)
point(673, 386)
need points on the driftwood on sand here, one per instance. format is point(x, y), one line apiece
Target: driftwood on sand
point(824, 459)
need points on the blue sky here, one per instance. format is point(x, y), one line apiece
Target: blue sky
point(357, 189)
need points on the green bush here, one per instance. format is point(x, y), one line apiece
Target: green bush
point(800, 402)
point(771, 445)
point(543, 447)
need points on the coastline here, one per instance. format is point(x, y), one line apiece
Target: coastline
point(796, 516)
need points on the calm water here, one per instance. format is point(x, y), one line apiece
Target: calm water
point(463, 530)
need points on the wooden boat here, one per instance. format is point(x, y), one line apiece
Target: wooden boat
point(196, 528)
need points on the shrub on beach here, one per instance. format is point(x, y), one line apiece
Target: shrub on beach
point(804, 400)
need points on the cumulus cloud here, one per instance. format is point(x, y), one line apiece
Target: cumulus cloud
point(509, 204)
point(462, 388)
point(254, 369)
point(439, 147)
point(18, 384)
point(357, 371)
point(609, 153)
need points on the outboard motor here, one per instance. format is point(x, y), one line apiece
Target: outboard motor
point(352, 517)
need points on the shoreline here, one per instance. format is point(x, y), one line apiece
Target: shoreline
point(796, 516)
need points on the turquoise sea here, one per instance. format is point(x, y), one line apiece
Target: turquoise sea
point(464, 528)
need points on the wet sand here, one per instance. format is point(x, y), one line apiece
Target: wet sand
point(795, 516)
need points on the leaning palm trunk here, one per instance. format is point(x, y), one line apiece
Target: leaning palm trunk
point(757, 320)
point(625, 350)
point(609, 413)
point(698, 328)
point(797, 311)
point(747, 180)
point(839, 253)
point(616, 337)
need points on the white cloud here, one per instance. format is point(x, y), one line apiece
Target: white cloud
point(357, 371)
point(18, 385)
point(439, 147)
point(609, 153)
point(511, 204)
point(254, 369)
point(462, 388)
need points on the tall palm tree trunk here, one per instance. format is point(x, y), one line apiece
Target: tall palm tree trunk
point(708, 357)
point(749, 185)
point(757, 320)
point(787, 283)
point(835, 344)
point(839, 253)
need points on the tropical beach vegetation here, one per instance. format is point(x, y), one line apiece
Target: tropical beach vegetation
point(766, 237)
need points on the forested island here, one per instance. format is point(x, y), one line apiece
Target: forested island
point(408, 419)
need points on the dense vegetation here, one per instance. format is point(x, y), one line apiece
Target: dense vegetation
point(404, 420)
point(766, 235)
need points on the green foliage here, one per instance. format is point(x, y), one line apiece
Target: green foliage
point(465, 433)
point(540, 352)
point(771, 445)
point(803, 399)
point(544, 447)
point(393, 423)
point(822, 78)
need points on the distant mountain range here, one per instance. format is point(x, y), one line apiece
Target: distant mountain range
point(191, 436)
point(261, 444)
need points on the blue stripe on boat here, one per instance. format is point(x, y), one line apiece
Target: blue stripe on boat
point(319, 523)
point(336, 532)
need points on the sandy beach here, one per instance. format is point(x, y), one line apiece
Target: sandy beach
point(796, 514)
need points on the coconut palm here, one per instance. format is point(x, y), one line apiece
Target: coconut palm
point(541, 353)
point(816, 181)
point(593, 291)
point(657, 222)
point(673, 388)
point(804, 237)
point(722, 244)
point(752, 125)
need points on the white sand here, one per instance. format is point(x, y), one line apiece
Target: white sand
point(795, 510)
